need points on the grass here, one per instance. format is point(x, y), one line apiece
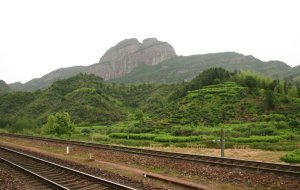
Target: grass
point(292, 157)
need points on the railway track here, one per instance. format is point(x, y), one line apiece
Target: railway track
point(286, 169)
point(42, 174)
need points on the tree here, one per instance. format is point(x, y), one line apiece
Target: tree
point(269, 99)
point(273, 85)
point(23, 124)
point(298, 90)
point(58, 124)
point(285, 88)
point(251, 82)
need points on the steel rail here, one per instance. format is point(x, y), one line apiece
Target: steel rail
point(223, 161)
point(95, 179)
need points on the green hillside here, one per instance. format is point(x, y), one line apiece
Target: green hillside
point(254, 110)
point(184, 68)
point(214, 96)
point(4, 88)
point(85, 97)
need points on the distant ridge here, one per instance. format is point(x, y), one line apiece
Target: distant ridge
point(131, 61)
point(185, 68)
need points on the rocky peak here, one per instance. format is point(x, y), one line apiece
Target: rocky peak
point(150, 41)
point(130, 53)
point(124, 47)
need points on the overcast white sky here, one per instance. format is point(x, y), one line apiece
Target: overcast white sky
point(38, 36)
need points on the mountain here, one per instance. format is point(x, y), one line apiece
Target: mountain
point(116, 62)
point(184, 68)
point(86, 97)
point(293, 73)
point(128, 54)
point(48, 79)
point(131, 61)
point(4, 88)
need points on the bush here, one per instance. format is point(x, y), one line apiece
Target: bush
point(281, 125)
point(100, 137)
point(59, 123)
point(177, 139)
point(21, 125)
point(269, 139)
point(132, 142)
point(142, 136)
point(292, 157)
point(294, 124)
point(181, 145)
point(274, 117)
point(182, 131)
point(85, 131)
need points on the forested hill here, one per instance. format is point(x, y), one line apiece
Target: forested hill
point(214, 96)
point(184, 68)
point(4, 88)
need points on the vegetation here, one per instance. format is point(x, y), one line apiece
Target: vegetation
point(185, 68)
point(4, 88)
point(293, 157)
point(255, 111)
point(59, 124)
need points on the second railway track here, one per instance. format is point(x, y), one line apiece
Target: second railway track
point(54, 176)
point(287, 169)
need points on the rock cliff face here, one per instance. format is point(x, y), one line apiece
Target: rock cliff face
point(130, 53)
point(116, 62)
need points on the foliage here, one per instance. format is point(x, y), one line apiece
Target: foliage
point(184, 113)
point(4, 88)
point(269, 99)
point(251, 139)
point(132, 136)
point(207, 77)
point(293, 157)
point(58, 124)
point(22, 125)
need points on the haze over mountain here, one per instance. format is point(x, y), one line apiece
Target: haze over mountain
point(130, 61)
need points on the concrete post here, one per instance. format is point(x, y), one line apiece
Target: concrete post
point(67, 150)
point(222, 140)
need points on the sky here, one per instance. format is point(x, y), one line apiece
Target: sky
point(39, 36)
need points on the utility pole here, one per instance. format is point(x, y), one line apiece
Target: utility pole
point(222, 140)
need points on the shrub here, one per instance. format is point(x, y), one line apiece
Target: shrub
point(99, 137)
point(177, 139)
point(274, 117)
point(142, 136)
point(182, 131)
point(85, 131)
point(294, 123)
point(292, 157)
point(59, 123)
point(269, 139)
point(181, 145)
point(132, 142)
point(22, 125)
point(281, 125)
